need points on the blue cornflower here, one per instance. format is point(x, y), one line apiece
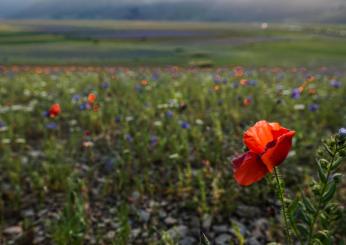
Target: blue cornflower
point(313, 107)
point(185, 125)
point(295, 93)
point(105, 85)
point(335, 84)
point(76, 98)
point(169, 114)
point(52, 125)
point(342, 132)
point(153, 140)
point(117, 119)
point(129, 138)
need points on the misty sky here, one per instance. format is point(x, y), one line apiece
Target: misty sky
point(12, 6)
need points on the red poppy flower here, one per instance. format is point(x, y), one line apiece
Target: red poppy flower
point(268, 145)
point(91, 98)
point(54, 110)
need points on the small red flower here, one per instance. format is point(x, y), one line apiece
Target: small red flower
point(54, 110)
point(91, 98)
point(268, 145)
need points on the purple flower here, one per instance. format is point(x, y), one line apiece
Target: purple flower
point(185, 125)
point(129, 138)
point(84, 106)
point(295, 93)
point(252, 82)
point(169, 114)
point(117, 119)
point(45, 114)
point(2, 124)
point(313, 107)
point(105, 85)
point(342, 132)
point(52, 125)
point(76, 98)
point(235, 84)
point(153, 140)
point(335, 83)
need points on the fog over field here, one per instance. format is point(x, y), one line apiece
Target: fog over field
point(219, 10)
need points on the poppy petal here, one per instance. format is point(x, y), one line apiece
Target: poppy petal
point(277, 130)
point(258, 136)
point(277, 153)
point(248, 168)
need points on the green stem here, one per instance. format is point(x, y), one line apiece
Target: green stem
point(319, 208)
point(281, 193)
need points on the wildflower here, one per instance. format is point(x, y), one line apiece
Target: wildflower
point(144, 82)
point(299, 107)
point(313, 107)
point(238, 71)
point(335, 84)
point(252, 82)
point(342, 132)
point(247, 101)
point(244, 82)
point(76, 98)
point(91, 98)
point(295, 93)
point(185, 125)
point(157, 123)
point(235, 85)
point(268, 144)
point(128, 138)
point(199, 122)
point(117, 119)
point(216, 88)
point(169, 114)
point(154, 140)
point(105, 85)
point(84, 106)
point(52, 125)
point(88, 144)
point(54, 110)
point(3, 126)
point(310, 78)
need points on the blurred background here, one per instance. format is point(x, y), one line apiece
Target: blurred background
point(158, 32)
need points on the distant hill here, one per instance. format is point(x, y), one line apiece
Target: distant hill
point(202, 10)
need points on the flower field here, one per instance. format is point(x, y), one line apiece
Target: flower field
point(143, 155)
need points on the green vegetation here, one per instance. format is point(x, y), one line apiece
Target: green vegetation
point(167, 43)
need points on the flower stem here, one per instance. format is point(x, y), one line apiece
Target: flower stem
point(281, 194)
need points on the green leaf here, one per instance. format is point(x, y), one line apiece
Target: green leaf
point(306, 217)
point(336, 163)
point(308, 205)
point(328, 195)
point(328, 149)
point(303, 230)
point(321, 173)
point(337, 177)
point(324, 237)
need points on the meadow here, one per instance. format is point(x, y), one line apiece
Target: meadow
point(141, 150)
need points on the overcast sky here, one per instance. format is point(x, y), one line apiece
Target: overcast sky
point(11, 6)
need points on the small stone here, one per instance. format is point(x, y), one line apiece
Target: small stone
point(13, 230)
point(29, 213)
point(178, 231)
point(252, 241)
point(162, 214)
point(110, 235)
point(248, 211)
point(187, 240)
point(135, 232)
point(207, 220)
point(170, 221)
point(144, 215)
point(223, 239)
point(221, 228)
